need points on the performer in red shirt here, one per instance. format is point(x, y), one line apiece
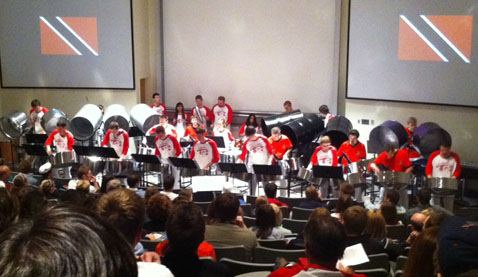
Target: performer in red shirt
point(444, 163)
point(353, 151)
point(220, 130)
point(157, 106)
point(325, 155)
point(61, 138)
point(118, 139)
point(393, 159)
point(325, 114)
point(191, 130)
point(167, 146)
point(281, 147)
point(251, 121)
point(204, 150)
point(201, 112)
point(221, 110)
point(287, 106)
point(36, 114)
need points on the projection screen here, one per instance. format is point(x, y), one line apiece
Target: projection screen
point(414, 51)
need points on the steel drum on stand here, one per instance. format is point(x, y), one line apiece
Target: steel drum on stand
point(303, 130)
point(443, 186)
point(63, 159)
point(308, 175)
point(144, 117)
point(51, 118)
point(389, 132)
point(116, 113)
point(394, 180)
point(429, 136)
point(267, 123)
point(14, 124)
point(356, 173)
point(338, 129)
point(86, 121)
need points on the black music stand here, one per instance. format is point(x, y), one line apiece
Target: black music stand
point(332, 172)
point(81, 150)
point(35, 150)
point(148, 159)
point(272, 170)
point(36, 138)
point(150, 141)
point(233, 168)
point(103, 152)
point(135, 132)
point(218, 140)
point(186, 144)
point(183, 163)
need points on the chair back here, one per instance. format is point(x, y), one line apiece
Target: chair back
point(249, 221)
point(285, 211)
point(401, 262)
point(251, 200)
point(269, 255)
point(397, 232)
point(247, 210)
point(301, 214)
point(291, 202)
point(273, 243)
point(375, 272)
point(237, 253)
point(203, 196)
point(375, 261)
point(240, 267)
point(203, 205)
point(296, 226)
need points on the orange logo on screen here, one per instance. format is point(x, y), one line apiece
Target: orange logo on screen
point(69, 36)
point(454, 30)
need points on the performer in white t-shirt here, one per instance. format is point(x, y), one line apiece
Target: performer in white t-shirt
point(118, 139)
point(36, 114)
point(325, 155)
point(157, 106)
point(201, 112)
point(221, 110)
point(204, 150)
point(220, 130)
point(61, 138)
point(167, 146)
point(163, 121)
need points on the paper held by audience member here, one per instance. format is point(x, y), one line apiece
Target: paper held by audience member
point(353, 255)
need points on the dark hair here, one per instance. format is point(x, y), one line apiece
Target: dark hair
point(435, 220)
point(35, 103)
point(345, 201)
point(25, 166)
point(61, 122)
point(123, 209)
point(346, 188)
point(176, 113)
point(150, 191)
point(354, 132)
point(324, 239)
point(389, 212)
point(265, 221)
point(355, 220)
point(114, 125)
point(104, 182)
point(159, 207)
point(422, 256)
point(446, 143)
point(185, 228)
point(324, 109)
point(311, 193)
point(270, 189)
point(82, 171)
point(155, 94)
point(255, 120)
point(31, 204)
point(186, 193)
point(250, 131)
point(160, 130)
point(168, 182)
point(200, 131)
point(287, 102)
point(198, 97)
point(424, 195)
point(133, 180)
point(221, 98)
point(76, 198)
point(389, 147)
point(393, 196)
point(226, 207)
point(163, 117)
point(65, 241)
point(8, 209)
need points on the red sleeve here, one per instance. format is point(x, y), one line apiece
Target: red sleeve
point(193, 152)
point(268, 146)
point(106, 140)
point(231, 138)
point(289, 144)
point(156, 152)
point(211, 113)
point(45, 110)
point(152, 106)
point(31, 110)
point(177, 146)
point(165, 111)
point(175, 134)
point(340, 153)
point(229, 114)
point(335, 161)
point(126, 143)
point(215, 153)
point(242, 130)
point(406, 161)
point(429, 169)
point(71, 141)
point(187, 132)
point(363, 152)
point(314, 160)
point(244, 151)
point(49, 141)
point(458, 165)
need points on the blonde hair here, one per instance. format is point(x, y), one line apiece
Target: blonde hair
point(261, 200)
point(319, 212)
point(83, 185)
point(376, 225)
point(325, 139)
point(45, 186)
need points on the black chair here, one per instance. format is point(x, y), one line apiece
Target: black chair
point(273, 243)
point(251, 200)
point(375, 261)
point(375, 272)
point(249, 221)
point(203, 196)
point(401, 262)
point(237, 253)
point(296, 226)
point(269, 255)
point(239, 267)
point(292, 202)
point(285, 211)
point(149, 245)
point(204, 206)
point(301, 214)
point(247, 210)
point(293, 235)
point(397, 232)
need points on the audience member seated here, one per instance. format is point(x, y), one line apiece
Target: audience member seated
point(298, 242)
point(84, 173)
point(228, 187)
point(5, 174)
point(433, 219)
point(422, 259)
point(228, 230)
point(32, 203)
point(345, 201)
point(168, 185)
point(345, 189)
point(312, 199)
point(20, 181)
point(270, 189)
point(48, 188)
point(355, 220)
point(185, 195)
point(185, 231)
point(423, 197)
point(278, 221)
point(133, 183)
point(261, 200)
point(158, 209)
point(104, 181)
point(125, 211)
point(150, 191)
point(8, 209)
point(377, 229)
point(324, 246)
point(83, 186)
point(389, 212)
point(417, 221)
point(265, 224)
point(65, 241)
point(25, 168)
point(113, 185)
point(77, 198)
point(393, 197)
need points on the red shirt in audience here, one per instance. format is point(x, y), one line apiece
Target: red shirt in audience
point(303, 265)
point(277, 202)
point(205, 249)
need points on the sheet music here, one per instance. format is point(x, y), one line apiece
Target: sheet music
point(353, 255)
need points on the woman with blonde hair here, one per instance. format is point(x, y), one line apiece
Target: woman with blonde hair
point(48, 188)
point(83, 185)
point(377, 229)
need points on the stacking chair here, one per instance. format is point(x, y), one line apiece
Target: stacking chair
point(375, 261)
point(204, 206)
point(249, 221)
point(292, 202)
point(269, 255)
point(273, 243)
point(400, 264)
point(301, 214)
point(296, 226)
point(375, 272)
point(240, 267)
point(397, 232)
point(251, 200)
point(203, 196)
point(237, 253)
point(285, 211)
point(247, 210)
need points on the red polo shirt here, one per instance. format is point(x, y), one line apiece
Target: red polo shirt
point(354, 153)
point(400, 162)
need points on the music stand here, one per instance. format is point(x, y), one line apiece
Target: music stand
point(150, 141)
point(36, 138)
point(81, 150)
point(146, 159)
point(183, 163)
point(103, 152)
point(186, 143)
point(35, 150)
point(332, 172)
point(135, 132)
point(218, 140)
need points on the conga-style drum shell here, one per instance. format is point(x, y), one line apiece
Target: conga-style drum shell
point(95, 164)
point(338, 129)
point(267, 123)
point(307, 175)
point(389, 132)
point(442, 185)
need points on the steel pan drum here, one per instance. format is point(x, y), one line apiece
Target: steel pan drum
point(86, 121)
point(295, 163)
point(144, 117)
point(49, 120)
point(442, 185)
point(14, 124)
point(95, 164)
point(63, 159)
point(389, 132)
point(267, 123)
point(307, 175)
point(356, 174)
point(304, 129)
point(394, 180)
point(116, 167)
point(338, 129)
point(116, 113)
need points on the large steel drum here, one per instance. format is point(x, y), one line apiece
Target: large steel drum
point(389, 132)
point(394, 179)
point(307, 175)
point(14, 124)
point(86, 121)
point(442, 185)
point(429, 136)
point(338, 129)
point(116, 113)
point(304, 129)
point(143, 117)
point(267, 123)
point(49, 120)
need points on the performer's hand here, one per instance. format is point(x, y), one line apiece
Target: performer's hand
point(49, 152)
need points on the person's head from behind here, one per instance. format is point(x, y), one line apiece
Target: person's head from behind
point(8, 209)
point(76, 198)
point(346, 188)
point(323, 110)
point(278, 214)
point(32, 203)
point(393, 197)
point(250, 131)
point(124, 210)
point(133, 180)
point(422, 259)
point(65, 241)
point(226, 207)
point(434, 219)
point(84, 173)
point(114, 127)
point(376, 226)
point(287, 106)
point(47, 187)
point(261, 200)
point(345, 201)
point(324, 241)
point(104, 181)
point(159, 207)
point(186, 194)
point(5, 173)
point(83, 186)
point(185, 229)
point(113, 185)
point(318, 213)
point(270, 190)
point(168, 183)
point(161, 132)
point(424, 196)
point(19, 182)
point(311, 193)
point(389, 212)
point(353, 136)
point(61, 126)
point(25, 166)
point(150, 191)
point(265, 221)
point(355, 220)
point(417, 221)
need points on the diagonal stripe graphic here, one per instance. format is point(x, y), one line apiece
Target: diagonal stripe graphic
point(77, 36)
point(60, 35)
